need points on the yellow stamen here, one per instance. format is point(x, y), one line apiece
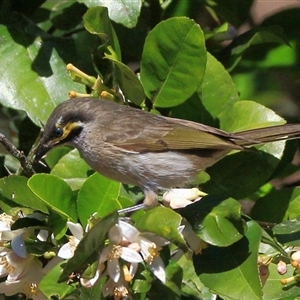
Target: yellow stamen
point(30, 289)
point(7, 266)
point(153, 253)
point(127, 275)
point(120, 292)
point(115, 252)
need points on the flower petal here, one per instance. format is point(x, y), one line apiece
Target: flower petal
point(131, 255)
point(18, 246)
point(65, 251)
point(115, 234)
point(88, 283)
point(129, 231)
point(113, 269)
point(158, 269)
point(76, 229)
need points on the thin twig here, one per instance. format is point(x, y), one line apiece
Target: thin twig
point(18, 154)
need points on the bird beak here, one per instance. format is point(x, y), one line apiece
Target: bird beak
point(42, 150)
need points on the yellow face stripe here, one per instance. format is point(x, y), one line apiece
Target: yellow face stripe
point(66, 130)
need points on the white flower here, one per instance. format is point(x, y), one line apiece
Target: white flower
point(111, 255)
point(117, 289)
point(114, 250)
point(150, 246)
point(23, 274)
point(67, 250)
point(6, 234)
point(178, 198)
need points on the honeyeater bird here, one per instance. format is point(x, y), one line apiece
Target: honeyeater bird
point(150, 151)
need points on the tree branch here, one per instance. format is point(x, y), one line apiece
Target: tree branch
point(19, 155)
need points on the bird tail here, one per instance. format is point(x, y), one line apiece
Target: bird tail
point(267, 134)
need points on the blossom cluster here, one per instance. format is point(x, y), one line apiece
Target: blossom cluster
point(125, 248)
point(22, 270)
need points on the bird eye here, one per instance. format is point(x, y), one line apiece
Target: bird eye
point(58, 132)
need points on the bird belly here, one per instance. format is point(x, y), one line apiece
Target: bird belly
point(151, 170)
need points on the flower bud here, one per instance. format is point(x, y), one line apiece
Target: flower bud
point(178, 198)
point(281, 267)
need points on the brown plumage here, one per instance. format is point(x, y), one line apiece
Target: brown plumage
point(146, 150)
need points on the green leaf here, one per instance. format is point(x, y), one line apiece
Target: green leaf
point(41, 59)
point(58, 223)
point(222, 225)
point(280, 204)
point(288, 232)
point(163, 222)
point(128, 82)
point(96, 21)
point(273, 289)
point(232, 11)
point(55, 154)
point(98, 195)
point(173, 61)
point(55, 193)
point(120, 11)
point(15, 188)
point(217, 91)
point(216, 220)
point(49, 286)
point(73, 169)
point(241, 174)
point(89, 247)
point(246, 115)
point(192, 286)
point(94, 292)
point(262, 35)
point(217, 266)
point(216, 94)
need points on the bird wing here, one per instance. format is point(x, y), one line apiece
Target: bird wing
point(162, 133)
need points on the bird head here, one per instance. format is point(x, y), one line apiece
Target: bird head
point(64, 125)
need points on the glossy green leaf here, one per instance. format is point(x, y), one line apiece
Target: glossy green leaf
point(43, 61)
point(216, 220)
point(223, 225)
point(174, 273)
point(193, 287)
point(241, 174)
point(293, 210)
point(124, 12)
point(98, 195)
point(15, 188)
point(89, 247)
point(95, 292)
point(58, 223)
point(263, 35)
point(217, 91)
point(246, 115)
point(288, 232)
point(55, 154)
point(128, 82)
point(96, 21)
point(273, 289)
point(173, 61)
point(216, 94)
point(73, 169)
point(280, 204)
point(163, 222)
point(55, 193)
point(232, 11)
point(218, 266)
point(49, 286)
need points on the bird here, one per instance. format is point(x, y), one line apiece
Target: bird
point(136, 147)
